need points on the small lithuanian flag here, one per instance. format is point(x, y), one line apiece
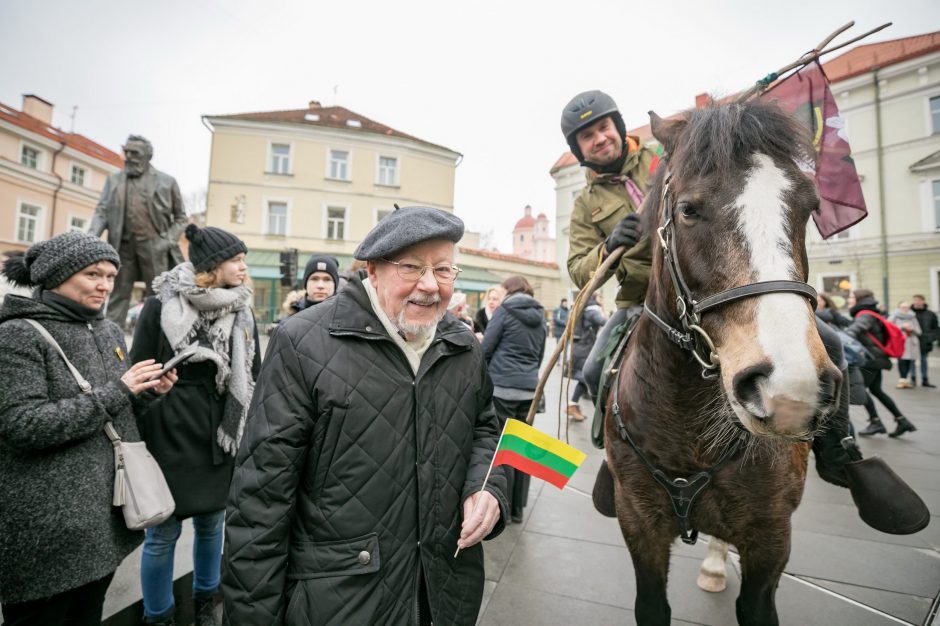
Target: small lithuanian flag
point(535, 453)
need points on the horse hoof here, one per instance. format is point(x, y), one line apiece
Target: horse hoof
point(712, 582)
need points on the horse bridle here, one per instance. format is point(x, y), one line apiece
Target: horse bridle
point(693, 337)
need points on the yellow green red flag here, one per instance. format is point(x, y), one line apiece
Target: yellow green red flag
point(537, 454)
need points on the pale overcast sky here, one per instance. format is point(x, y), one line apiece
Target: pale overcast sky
point(487, 79)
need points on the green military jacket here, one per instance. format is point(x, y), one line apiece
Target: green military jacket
point(601, 204)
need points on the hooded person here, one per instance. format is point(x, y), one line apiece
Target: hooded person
point(60, 537)
point(367, 448)
point(868, 327)
point(513, 345)
point(204, 303)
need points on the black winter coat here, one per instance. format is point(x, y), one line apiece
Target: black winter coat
point(58, 529)
point(514, 342)
point(590, 323)
point(864, 324)
point(181, 430)
point(352, 474)
point(929, 328)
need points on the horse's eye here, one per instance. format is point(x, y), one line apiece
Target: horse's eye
point(687, 210)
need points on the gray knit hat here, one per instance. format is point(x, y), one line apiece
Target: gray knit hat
point(405, 227)
point(51, 262)
point(210, 246)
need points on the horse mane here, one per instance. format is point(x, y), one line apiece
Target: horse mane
point(720, 139)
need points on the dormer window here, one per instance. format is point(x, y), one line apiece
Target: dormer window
point(354, 123)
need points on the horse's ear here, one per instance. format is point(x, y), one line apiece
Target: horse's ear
point(666, 132)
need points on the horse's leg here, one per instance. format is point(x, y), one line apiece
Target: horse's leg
point(762, 564)
point(650, 554)
point(712, 576)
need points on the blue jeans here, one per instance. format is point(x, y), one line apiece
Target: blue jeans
point(156, 563)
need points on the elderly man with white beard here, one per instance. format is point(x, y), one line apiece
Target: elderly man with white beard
point(369, 436)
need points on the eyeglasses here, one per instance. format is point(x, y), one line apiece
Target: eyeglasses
point(413, 273)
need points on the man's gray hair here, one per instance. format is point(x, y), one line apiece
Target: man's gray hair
point(140, 138)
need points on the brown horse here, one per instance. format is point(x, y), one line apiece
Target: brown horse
point(715, 436)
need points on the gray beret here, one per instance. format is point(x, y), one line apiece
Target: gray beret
point(51, 262)
point(405, 227)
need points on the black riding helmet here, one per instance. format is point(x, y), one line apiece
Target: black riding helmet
point(585, 109)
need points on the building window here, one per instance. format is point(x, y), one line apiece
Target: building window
point(838, 285)
point(388, 171)
point(280, 158)
point(79, 175)
point(935, 114)
point(79, 224)
point(335, 222)
point(29, 157)
point(380, 214)
point(277, 219)
point(936, 204)
point(339, 164)
point(27, 222)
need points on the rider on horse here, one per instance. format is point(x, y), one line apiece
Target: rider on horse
point(605, 217)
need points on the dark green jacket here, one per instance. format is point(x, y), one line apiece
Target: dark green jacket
point(352, 473)
point(599, 207)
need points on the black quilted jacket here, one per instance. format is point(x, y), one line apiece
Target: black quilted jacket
point(352, 473)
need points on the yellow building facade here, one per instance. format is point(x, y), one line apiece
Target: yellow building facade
point(318, 179)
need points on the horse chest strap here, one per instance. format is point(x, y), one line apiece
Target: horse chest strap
point(682, 493)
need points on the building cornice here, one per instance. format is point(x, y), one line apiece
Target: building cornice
point(332, 192)
point(884, 73)
point(332, 135)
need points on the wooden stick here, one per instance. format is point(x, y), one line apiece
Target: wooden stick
point(600, 277)
point(815, 53)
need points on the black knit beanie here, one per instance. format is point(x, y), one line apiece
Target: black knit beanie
point(322, 263)
point(210, 246)
point(51, 262)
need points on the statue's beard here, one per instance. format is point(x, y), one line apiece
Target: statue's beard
point(134, 170)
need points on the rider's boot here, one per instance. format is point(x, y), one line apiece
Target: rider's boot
point(884, 501)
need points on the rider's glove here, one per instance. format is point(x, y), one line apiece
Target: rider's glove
point(626, 233)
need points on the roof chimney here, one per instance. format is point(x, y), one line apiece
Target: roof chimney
point(37, 107)
point(314, 104)
point(702, 100)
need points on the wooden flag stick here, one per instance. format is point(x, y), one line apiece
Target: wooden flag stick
point(820, 50)
point(487, 477)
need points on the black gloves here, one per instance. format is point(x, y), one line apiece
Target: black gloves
point(626, 233)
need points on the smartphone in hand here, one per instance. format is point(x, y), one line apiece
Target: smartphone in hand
point(187, 353)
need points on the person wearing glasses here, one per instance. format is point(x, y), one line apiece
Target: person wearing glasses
point(142, 210)
point(363, 467)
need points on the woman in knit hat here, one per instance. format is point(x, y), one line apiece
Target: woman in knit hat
point(60, 537)
point(195, 432)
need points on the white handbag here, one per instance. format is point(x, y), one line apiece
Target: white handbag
point(140, 488)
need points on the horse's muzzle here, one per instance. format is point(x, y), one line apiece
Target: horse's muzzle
point(783, 411)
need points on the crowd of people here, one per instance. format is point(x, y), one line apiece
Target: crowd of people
point(337, 476)
point(866, 337)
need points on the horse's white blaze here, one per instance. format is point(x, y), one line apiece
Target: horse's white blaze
point(782, 320)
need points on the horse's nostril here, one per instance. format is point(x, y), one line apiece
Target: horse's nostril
point(746, 385)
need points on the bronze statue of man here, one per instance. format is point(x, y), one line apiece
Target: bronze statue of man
point(142, 210)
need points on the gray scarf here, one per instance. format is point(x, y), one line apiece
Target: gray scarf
point(227, 315)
